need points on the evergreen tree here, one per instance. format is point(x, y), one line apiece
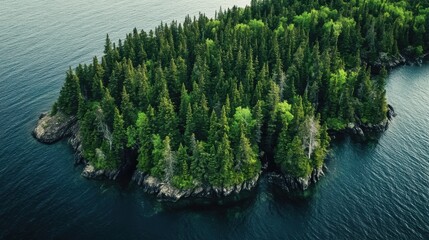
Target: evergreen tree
point(225, 157)
point(70, 94)
point(246, 160)
point(118, 141)
point(167, 120)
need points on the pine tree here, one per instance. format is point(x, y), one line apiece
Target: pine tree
point(108, 107)
point(142, 139)
point(118, 142)
point(183, 110)
point(246, 160)
point(201, 118)
point(182, 169)
point(167, 121)
point(143, 88)
point(70, 94)
point(158, 169)
point(226, 158)
point(190, 126)
point(196, 166)
point(127, 109)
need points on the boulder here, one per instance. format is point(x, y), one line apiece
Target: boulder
point(168, 192)
point(138, 177)
point(50, 129)
point(390, 112)
point(151, 184)
point(198, 192)
point(92, 173)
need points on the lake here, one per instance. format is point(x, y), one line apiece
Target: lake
point(377, 190)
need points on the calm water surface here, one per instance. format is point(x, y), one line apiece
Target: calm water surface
point(378, 190)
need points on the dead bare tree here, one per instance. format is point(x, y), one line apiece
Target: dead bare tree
point(309, 135)
point(170, 159)
point(103, 128)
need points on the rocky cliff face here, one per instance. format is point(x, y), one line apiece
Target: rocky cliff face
point(50, 129)
point(167, 192)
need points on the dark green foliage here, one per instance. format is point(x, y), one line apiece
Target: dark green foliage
point(70, 94)
point(119, 140)
point(200, 102)
point(140, 137)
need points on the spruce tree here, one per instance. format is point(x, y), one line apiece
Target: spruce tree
point(70, 94)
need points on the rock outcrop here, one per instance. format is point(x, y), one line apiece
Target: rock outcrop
point(390, 112)
point(361, 131)
point(90, 172)
point(167, 192)
point(50, 129)
point(389, 61)
point(290, 183)
point(407, 57)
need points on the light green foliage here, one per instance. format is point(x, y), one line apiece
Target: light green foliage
point(283, 112)
point(242, 27)
point(256, 24)
point(243, 121)
point(336, 124)
point(140, 137)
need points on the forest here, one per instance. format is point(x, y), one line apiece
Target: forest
point(206, 101)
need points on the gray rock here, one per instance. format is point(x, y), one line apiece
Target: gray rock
point(238, 188)
point(91, 173)
point(390, 112)
point(389, 61)
point(170, 193)
point(376, 128)
point(50, 129)
point(165, 191)
point(151, 184)
point(228, 190)
point(197, 192)
point(138, 177)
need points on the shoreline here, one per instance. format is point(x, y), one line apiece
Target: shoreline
point(50, 129)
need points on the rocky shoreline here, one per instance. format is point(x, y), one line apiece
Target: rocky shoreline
point(363, 132)
point(167, 192)
point(290, 183)
point(384, 60)
point(50, 129)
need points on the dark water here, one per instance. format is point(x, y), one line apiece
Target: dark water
point(378, 190)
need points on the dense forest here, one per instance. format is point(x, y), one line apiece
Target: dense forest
point(205, 101)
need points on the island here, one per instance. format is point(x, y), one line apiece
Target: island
point(201, 108)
